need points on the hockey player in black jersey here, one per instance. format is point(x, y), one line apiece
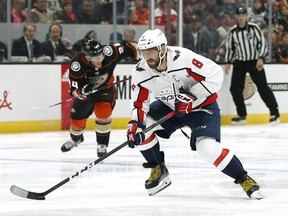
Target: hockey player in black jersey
point(90, 69)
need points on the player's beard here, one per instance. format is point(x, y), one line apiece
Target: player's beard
point(153, 63)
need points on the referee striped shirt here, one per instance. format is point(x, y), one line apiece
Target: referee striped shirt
point(244, 44)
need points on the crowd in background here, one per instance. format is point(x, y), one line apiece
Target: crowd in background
point(205, 29)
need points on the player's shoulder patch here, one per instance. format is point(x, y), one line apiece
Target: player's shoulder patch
point(107, 50)
point(75, 66)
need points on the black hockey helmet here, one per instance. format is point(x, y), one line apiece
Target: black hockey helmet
point(92, 48)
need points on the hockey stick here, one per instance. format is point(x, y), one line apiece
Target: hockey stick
point(73, 98)
point(17, 191)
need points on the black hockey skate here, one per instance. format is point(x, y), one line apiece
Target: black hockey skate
point(238, 120)
point(67, 146)
point(251, 188)
point(274, 120)
point(159, 178)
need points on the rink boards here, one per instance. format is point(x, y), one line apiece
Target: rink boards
point(27, 91)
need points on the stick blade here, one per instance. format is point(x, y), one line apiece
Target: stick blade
point(20, 192)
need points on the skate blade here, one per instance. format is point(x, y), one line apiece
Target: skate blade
point(276, 122)
point(162, 185)
point(239, 123)
point(257, 195)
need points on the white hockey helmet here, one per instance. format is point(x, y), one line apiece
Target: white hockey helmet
point(152, 38)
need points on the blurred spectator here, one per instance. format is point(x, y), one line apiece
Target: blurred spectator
point(211, 34)
point(76, 5)
point(276, 46)
point(18, 13)
point(66, 15)
point(54, 5)
point(283, 22)
point(276, 15)
point(40, 13)
point(229, 6)
point(224, 25)
point(119, 38)
point(55, 46)
point(223, 30)
point(284, 47)
point(188, 10)
point(79, 44)
point(140, 15)
point(213, 7)
point(256, 13)
point(193, 39)
point(3, 52)
point(105, 11)
point(27, 45)
point(87, 14)
point(161, 15)
point(201, 7)
point(3, 11)
point(220, 52)
point(129, 33)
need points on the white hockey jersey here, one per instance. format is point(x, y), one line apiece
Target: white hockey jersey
point(184, 69)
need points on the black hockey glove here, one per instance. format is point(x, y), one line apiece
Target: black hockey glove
point(184, 101)
point(134, 133)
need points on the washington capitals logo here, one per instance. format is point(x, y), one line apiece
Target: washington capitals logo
point(177, 55)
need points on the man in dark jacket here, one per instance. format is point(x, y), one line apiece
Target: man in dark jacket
point(27, 45)
point(55, 45)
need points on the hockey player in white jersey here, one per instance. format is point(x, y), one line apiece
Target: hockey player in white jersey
point(174, 78)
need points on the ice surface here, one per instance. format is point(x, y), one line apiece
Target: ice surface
point(34, 161)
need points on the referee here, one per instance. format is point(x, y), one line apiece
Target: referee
point(247, 47)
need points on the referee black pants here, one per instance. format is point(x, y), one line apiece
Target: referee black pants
point(240, 68)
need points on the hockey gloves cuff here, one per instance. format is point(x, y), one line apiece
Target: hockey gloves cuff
point(134, 133)
point(184, 101)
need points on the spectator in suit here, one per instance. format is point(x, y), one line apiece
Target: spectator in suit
point(18, 13)
point(27, 45)
point(55, 45)
point(3, 52)
point(40, 13)
point(80, 43)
